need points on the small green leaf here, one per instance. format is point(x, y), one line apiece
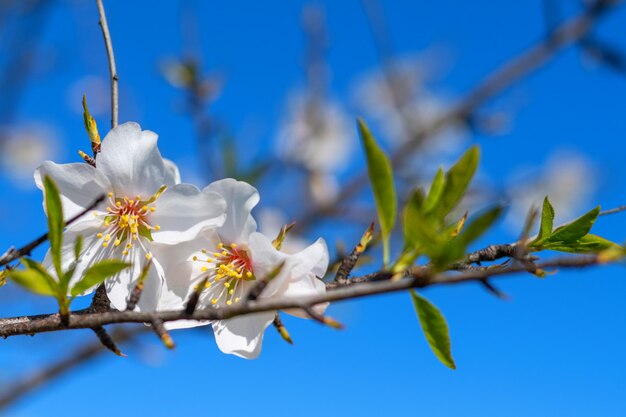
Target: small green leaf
point(34, 278)
point(457, 181)
point(97, 273)
point(435, 192)
point(435, 328)
point(586, 244)
point(547, 220)
point(54, 210)
point(381, 178)
point(575, 230)
point(419, 232)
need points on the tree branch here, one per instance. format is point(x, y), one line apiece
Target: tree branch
point(417, 277)
point(112, 69)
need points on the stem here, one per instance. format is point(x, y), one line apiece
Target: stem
point(112, 69)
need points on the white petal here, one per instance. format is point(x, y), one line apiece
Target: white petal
point(183, 211)
point(180, 278)
point(242, 336)
point(265, 259)
point(131, 161)
point(298, 275)
point(173, 170)
point(240, 199)
point(315, 257)
point(303, 283)
point(120, 286)
point(79, 184)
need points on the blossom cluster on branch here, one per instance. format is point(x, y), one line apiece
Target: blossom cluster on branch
point(174, 239)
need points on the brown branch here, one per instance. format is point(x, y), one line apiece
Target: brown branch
point(418, 277)
point(13, 254)
point(567, 34)
point(111, 58)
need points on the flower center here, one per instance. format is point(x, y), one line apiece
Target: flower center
point(126, 219)
point(228, 271)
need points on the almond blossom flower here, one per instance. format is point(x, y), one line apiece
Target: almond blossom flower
point(231, 259)
point(147, 210)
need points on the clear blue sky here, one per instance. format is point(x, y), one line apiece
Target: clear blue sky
point(554, 349)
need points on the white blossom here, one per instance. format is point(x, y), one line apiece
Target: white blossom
point(147, 210)
point(234, 257)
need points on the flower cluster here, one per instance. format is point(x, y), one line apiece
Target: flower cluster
point(187, 237)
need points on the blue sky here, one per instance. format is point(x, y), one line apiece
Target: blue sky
point(554, 349)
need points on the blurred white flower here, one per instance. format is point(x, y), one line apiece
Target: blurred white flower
point(315, 133)
point(402, 102)
point(23, 148)
point(567, 178)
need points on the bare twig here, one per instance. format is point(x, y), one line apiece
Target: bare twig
point(112, 69)
point(13, 254)
point(612, 211)
point(164, 336)
point(107, 340)
point(348, 263)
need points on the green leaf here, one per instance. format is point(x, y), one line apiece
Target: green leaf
point(435, 328)
point(586, 244)
point(575, 230)
point(97, 273)
point(419, 232)
point(381, 178)
point(435, 192)
point(34, 278)
point(547, 220)
point(54, 209)
point(457, 181)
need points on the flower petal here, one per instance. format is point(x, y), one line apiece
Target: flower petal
point(183, 211)
point(242, 336)
point(315, 257)
point(79, 184)
point(173, 170)
point(120, 286)
point(131, 161)
point(240, 198)
point(182, 274)
point(302, 283)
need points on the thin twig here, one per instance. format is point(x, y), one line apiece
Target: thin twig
point(112, 69)
point(106, 340)
point(612, 211)
point(13, 254)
